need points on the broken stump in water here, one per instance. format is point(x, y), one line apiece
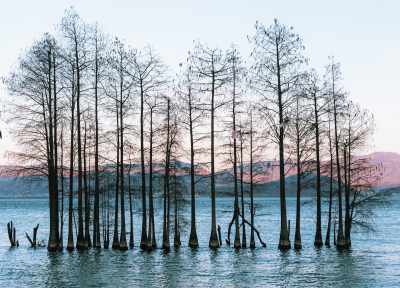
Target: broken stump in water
point(12, 234)
point(33, 239)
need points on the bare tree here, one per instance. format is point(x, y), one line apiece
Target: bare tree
point(360, 175)
point(190, 117)
point(75, 33)
point(148, 77)
point(316, 96)
point(330, 172)
point(70, 243)
point(32, 85)
point(153, 104)
point(99, 66)
point(333, 76)
point(277, 56)
point(300, 135)
point(212, 67)
point(120, 86)
point(166, 214)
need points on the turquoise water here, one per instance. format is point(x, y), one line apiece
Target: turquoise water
point(373, 262)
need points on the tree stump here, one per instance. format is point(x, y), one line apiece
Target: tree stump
point(12, 234)
point(33, 239)
point(219, 235)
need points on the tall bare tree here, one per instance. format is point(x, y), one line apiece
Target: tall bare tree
point(121, 82)
point(300, 135)
point(75, 33)
point(277, 56)
point(333, 76)
point(99, 66)
point(33, 87)
point(212, 67)
point(190, 117)
point(166, 210)
point(148, 77)
point(315, 94)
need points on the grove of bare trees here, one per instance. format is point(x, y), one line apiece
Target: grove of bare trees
point(90, 111)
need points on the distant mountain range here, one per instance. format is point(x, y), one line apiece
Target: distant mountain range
point(267, 183)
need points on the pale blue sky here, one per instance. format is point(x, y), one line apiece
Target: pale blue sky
point(363, 35)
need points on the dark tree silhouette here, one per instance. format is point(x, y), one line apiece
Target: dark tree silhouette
point(277, 55)
point(190, 117)
point(75, 33)
point(148, 77)
point(213, 70)
point(333, 76)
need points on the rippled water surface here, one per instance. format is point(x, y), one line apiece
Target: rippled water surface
point(373, 262)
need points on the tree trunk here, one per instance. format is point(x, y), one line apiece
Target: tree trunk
point(115, 243)
point(297, 236)
point(70, 243)
point(193, 241)
point(166, 244)
point(328, 229)
point(81, 243)
point(53, 243)
point(62, 190)
point(347, 199)
point(55, 145)
point(318, 234)
point(96, 220)
point(151, 243)
point(177, 237)
point(123, 245)
point(340, 243)
point(242, 193)
point(252, 242)
point(143, 240)
point(214, 242)
point(86, 189)
point(349, 214)
point(131, 238)
point(284, 242)
point(236, 243)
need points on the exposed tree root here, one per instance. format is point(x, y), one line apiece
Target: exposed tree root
point(228, 240)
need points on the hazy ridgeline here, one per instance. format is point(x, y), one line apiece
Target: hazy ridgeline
point(89, 111)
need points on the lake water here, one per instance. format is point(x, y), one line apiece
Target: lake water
point(373, 262)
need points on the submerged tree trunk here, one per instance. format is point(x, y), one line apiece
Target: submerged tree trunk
point(193, 241)
point(70, 243)
point(96, 220)
point(340, 243)
point(151, 237)
point(318, 233)
point(347, 198)
point(87, 192)
point(106, 208)
point(131, 236)
point(53, 243)
point(115, 243)
point(236, 243)
point(284, 242)
point(55, 145)
point(81, 243)
point(297, 236)
point(166, 244)
point(252, 242)
point(177, 235)
point(62, 190)
point(123, 245)
point(328, 228)
point(349, 213)
point(214, 242)
point(143, 240)
point(242, 193)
